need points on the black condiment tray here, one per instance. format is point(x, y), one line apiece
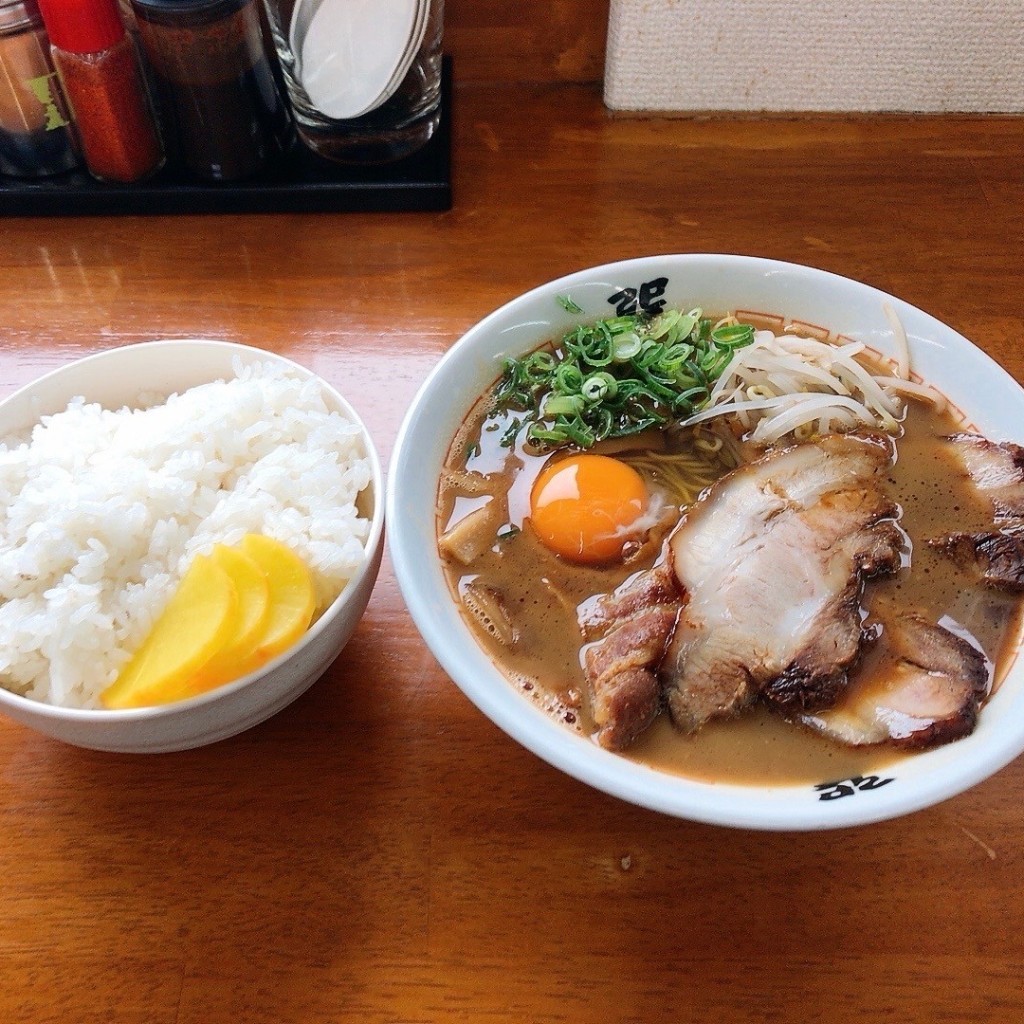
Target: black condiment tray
point(301, 182)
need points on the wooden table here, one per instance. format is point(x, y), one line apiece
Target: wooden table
point(379, 851)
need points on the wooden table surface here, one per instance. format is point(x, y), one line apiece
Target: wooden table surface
point(379, 851)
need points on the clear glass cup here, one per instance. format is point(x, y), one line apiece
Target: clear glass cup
point(398, 126)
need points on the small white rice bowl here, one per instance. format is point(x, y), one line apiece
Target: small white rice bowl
point(116, 471)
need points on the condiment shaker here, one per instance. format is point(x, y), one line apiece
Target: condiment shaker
point(100, 73)
point(35, 124)
point(217, 90)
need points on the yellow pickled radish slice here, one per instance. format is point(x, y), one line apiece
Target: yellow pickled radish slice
point(253, 609)
point(292, 600)
point(195, 624)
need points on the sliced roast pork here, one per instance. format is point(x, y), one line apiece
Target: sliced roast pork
point(925, 688)
point(772, 561)
point(633, 625)
point(996, 469)
point(997, 554)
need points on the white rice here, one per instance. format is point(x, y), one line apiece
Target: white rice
point(101, 513)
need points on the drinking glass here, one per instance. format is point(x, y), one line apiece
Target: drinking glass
point(397, 125)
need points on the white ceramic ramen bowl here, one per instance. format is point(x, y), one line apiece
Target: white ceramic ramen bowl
point(716, 282)
point(116, 378)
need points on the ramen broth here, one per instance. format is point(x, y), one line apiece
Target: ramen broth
point(542, 593)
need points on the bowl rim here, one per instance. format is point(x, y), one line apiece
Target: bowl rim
point(763, 807)
point(250, 354)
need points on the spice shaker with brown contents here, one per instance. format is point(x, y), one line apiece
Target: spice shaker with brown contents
point(35, 128)
point(100, 72)
point(217, 90)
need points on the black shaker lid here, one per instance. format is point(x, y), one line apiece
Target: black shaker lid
point(186, 12)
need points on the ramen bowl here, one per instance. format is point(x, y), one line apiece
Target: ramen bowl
point(813, 298)
point(117, 378)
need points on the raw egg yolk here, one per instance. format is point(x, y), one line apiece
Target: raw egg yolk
point(582, 507)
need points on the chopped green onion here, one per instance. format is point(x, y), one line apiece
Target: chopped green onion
point(599, 386)
point(568, 305)
point(733, 336)
point(568, 378)
point(563, 405)
point(626, 346)
point(539, 365)
point(615, 377)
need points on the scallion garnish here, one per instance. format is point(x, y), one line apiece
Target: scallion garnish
point(617, 377)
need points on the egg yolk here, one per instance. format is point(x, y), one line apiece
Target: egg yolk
point(582, 507)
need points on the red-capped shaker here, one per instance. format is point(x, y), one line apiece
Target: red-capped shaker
point(99, 70)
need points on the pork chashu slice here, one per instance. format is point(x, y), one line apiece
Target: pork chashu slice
point(773, 560)
point(634, 624)
point(996, 471)
point(926, 689)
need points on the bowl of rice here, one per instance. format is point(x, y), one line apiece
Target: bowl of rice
point(116, 472)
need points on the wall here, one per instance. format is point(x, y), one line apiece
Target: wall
point(933, 56)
